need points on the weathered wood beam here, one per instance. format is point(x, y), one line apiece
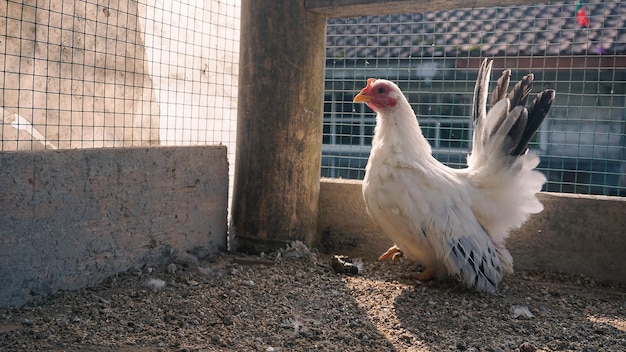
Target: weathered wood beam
point(279, 128)
point(352, 8)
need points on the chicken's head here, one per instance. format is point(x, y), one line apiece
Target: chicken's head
point(379, 95)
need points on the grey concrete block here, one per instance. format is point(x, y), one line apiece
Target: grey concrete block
point(71, 218)
point(578, 234)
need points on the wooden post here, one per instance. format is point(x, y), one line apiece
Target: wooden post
point(279, 128)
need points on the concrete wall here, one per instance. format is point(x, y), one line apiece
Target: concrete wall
point(71, 218)
point(76, 71)
point(574, 234)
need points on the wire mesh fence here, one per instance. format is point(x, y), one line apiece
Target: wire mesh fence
point(574, 47)
point(89, 74)
point(83, 74)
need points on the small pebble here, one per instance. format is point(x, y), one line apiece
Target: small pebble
point(155, 284)
point(172, 268)
point(527, 347)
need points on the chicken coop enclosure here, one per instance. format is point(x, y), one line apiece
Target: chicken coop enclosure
point(80, 74)
point(85, 74)
point(146, 145)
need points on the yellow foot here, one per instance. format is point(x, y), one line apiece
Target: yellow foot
point(393, 253)
point(426, 275)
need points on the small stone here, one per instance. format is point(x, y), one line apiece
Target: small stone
point(520, 312)
point(172, 268)
point(155, 284)
point(226, 320)
point(527, 347)
point(105, 301)
point(345, 265)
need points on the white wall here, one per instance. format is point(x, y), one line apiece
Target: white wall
point(192, 49)
point(74, 72)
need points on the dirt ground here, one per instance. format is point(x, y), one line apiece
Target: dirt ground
point(296, 301)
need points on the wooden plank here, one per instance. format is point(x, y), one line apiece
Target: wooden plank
point(352, 8)
point(71, 218)
point(279, 130)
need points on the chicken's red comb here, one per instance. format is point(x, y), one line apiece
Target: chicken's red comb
point(370, 81)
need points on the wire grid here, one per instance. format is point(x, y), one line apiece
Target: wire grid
point(85, 74)
point(434, 57)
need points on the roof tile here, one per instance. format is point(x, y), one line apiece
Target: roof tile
point(539, 29)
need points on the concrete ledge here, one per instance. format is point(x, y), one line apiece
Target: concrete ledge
point(70, 218)
point(575, 234)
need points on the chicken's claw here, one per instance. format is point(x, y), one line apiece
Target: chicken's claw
point(425, 275)
point(393, 253)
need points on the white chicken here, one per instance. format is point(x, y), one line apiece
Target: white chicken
point(454, 222)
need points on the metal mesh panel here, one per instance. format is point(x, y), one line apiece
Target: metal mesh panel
point(88, 74)
point(576, 48)
point(83, 74)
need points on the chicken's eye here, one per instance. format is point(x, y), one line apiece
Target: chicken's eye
point(381, 90)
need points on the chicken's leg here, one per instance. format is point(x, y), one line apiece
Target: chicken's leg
point(424, 276)
point(393, 253)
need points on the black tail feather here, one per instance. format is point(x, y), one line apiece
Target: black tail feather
point(536, 114)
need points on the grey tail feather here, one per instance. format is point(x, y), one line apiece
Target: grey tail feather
point(536, 114)
point(480, 91)
point(502, 86)
point(528, 121)
point(518, 97)
point(519, 93)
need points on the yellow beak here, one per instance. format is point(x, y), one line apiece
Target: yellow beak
point(362, 98)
